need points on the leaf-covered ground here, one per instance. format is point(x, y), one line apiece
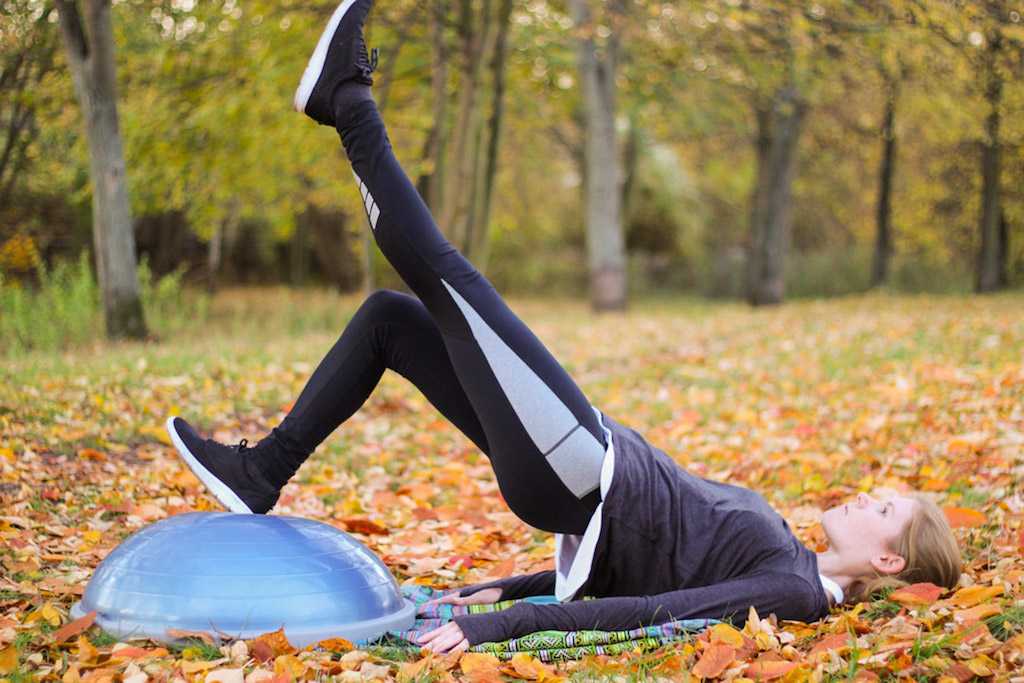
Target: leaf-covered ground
point(808, 404)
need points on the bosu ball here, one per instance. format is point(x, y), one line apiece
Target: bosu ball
point(237, 576)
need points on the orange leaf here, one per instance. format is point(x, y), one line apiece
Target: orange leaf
point(480, 666)
point(917, 594)
point(357, 525)
point(964, 517)
point(278, 642)
point(336, 644)
point(91, 454)
point(503, 569)
point(767, 669)
point(840, 642)
point(73, 628)
point(716, 658)
point(527, 667)
point(8, 660)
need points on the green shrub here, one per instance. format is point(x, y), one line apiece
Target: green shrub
point(64, 311)
point(168, 307)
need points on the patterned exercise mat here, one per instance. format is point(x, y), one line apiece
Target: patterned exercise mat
point(547, 646)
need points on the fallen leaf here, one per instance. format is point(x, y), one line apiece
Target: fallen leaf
point(196, 665)
point(973, 595)
point(964, 517)
point(176, 634)
point(73, 628)
point(480, 666)
point(767, 669)
point(917, 594)
point(364, 526)
point(278, 642)
point(8, 660)
point(714, 661)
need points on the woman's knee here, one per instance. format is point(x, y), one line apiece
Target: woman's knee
point(387, 305)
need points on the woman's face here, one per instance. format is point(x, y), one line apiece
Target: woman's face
point(865, 530)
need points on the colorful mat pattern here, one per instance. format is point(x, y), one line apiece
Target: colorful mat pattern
point(547, 646)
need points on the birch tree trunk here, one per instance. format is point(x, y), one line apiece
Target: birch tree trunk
point(606, 253)
point(779, 122)
point(90, 51)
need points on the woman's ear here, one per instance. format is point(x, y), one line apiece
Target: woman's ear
point(888, 563)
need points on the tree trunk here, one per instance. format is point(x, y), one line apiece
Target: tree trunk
point(480, 222)
point(431, 181)
point(883, 216)
point(90, 50)
point(214, 258)
point(989, 257)
point(458, 181)
point(1004, 251)
point(606, 253)
point(779, 122)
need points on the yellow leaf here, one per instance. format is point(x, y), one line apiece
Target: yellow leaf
point(724, 633)
point(980, 665)
point(87, 654)
point(8, 660)
point(973, 595)
point(196, 666)
point(290, 665)
point(7, 454)
point(47, 612)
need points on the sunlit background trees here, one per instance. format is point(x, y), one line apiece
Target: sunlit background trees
point(753, 150)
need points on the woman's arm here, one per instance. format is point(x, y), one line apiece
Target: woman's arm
point(514, 587)
point(787, 595)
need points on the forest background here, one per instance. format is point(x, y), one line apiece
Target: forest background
point(849, 144)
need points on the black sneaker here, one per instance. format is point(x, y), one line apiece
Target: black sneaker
point(340, 56)
point(229, 472)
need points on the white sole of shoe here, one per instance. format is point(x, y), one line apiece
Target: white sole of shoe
point(219, 489)
point(316, 63)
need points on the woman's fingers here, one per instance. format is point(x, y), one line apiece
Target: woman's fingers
point(437, 632)
point(445, 638)
point(449, 598)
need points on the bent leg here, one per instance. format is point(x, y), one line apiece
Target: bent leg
point(546, 444)
point(391, 331)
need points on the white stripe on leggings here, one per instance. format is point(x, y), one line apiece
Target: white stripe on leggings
point(573, 452)
point(369, 203)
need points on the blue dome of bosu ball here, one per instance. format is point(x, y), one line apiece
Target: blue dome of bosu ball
point(238, 576)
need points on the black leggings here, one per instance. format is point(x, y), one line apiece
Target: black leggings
point(462, 347)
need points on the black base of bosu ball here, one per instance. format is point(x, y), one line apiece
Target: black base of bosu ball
point(238, 576)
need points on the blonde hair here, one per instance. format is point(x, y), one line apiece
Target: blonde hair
point(930, 549)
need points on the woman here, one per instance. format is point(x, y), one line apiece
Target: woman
point(634, 529)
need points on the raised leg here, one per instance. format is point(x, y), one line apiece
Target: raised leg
point(546, 443)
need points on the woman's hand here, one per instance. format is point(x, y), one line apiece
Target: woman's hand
point(484, 597)
point(448, 638)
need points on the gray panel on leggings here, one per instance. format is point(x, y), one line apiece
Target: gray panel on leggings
point(577, 462)
point(546, 419)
